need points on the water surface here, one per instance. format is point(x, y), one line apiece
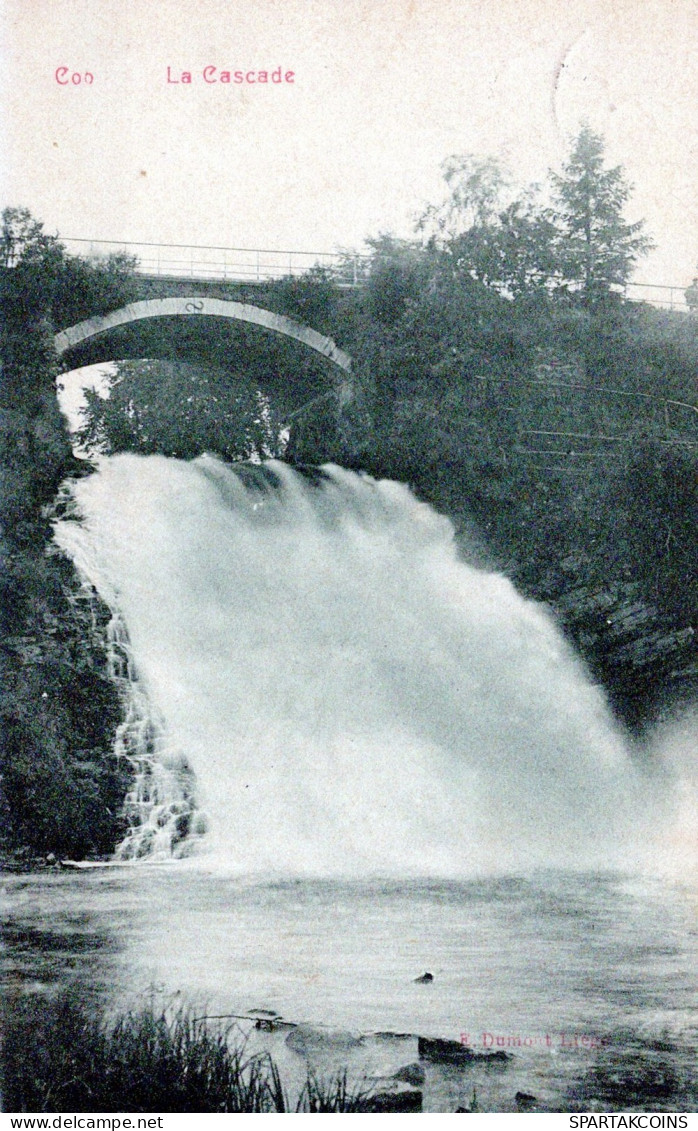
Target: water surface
point(590, 980)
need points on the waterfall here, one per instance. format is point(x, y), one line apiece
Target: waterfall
point(346, 692)
point(160, 805)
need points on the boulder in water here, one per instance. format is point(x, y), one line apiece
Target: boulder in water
point(387, 1037)
point(308, 1040)
point(407, 1099)
point(267, 1019)
point(453, 1052)
point(411, 1074)
point(524, 1101)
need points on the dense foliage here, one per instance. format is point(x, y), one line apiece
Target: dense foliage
point(181, 410)
point(60, 790)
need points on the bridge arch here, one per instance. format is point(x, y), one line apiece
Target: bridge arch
point(201, 306)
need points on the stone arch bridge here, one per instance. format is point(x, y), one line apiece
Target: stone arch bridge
point(187, 327)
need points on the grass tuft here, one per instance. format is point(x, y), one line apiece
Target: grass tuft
point(333, 1095)
point(60, 1055)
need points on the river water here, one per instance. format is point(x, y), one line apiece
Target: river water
point(589, 980)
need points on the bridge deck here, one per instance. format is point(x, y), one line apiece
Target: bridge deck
point(201, 263)
point(227, 264)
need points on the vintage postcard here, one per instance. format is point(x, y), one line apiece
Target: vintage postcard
point(349, 359)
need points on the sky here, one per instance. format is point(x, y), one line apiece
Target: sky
point(383, 91)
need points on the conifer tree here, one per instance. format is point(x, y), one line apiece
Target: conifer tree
point(596, 248)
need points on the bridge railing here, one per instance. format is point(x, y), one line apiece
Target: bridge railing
point(259, 265)
point(234, 264)
point(669, 298)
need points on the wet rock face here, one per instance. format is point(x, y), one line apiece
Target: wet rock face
point(644, 656)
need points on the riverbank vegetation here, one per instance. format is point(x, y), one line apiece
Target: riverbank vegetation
point(499, 370)
point(64, 1052)
point(62, 1055)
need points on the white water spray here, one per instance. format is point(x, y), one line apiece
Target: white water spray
point(350, 695)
